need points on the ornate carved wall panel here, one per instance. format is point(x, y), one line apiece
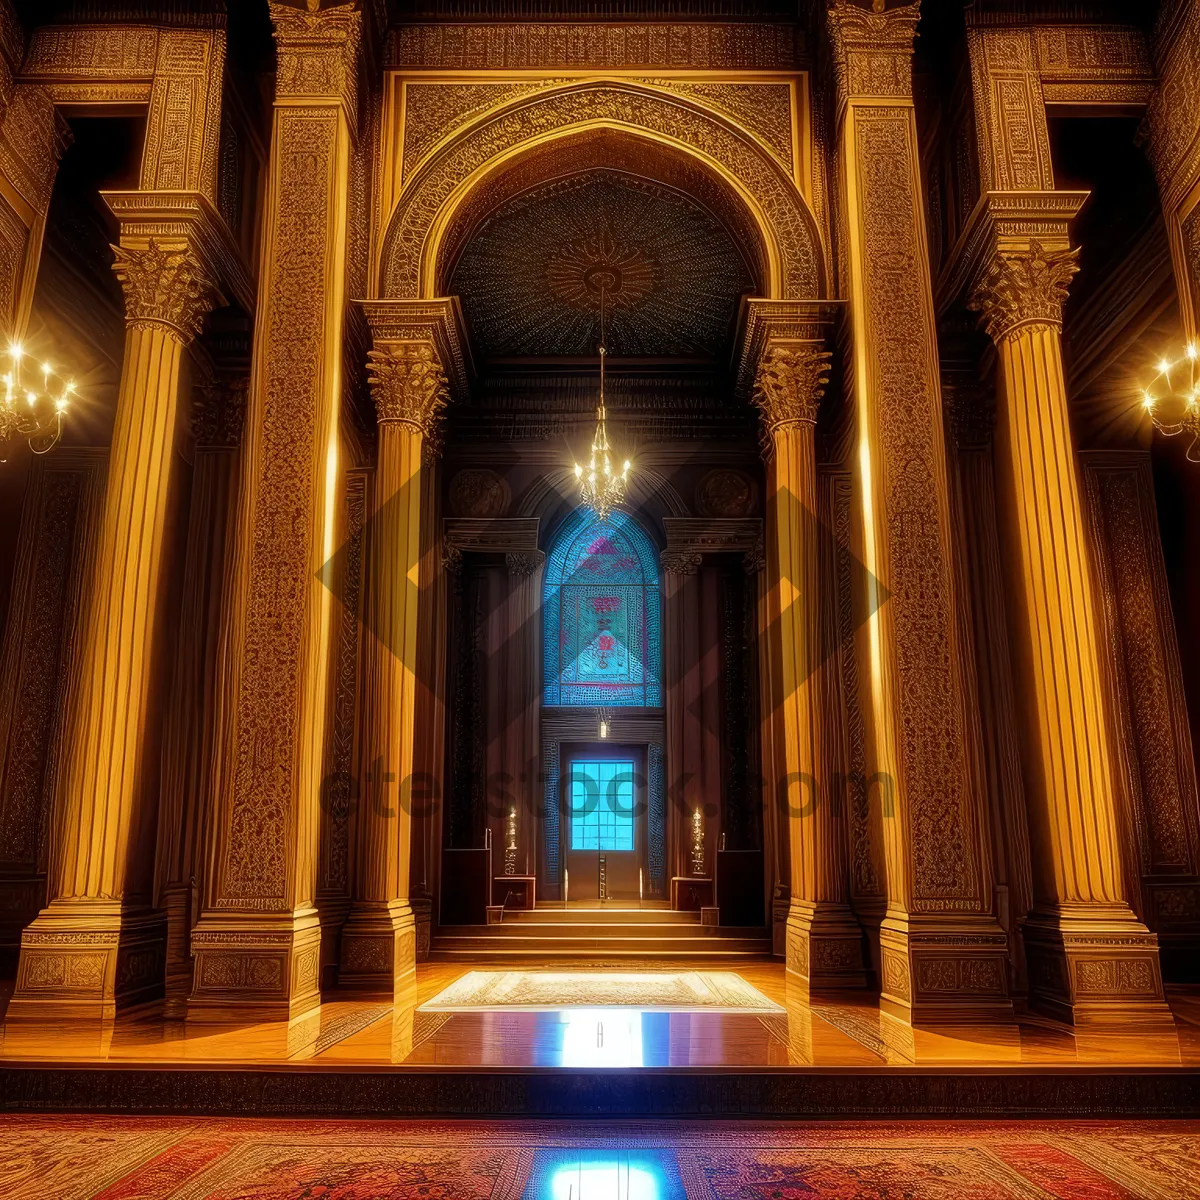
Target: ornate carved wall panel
point(1162, 807)
point(52, 568)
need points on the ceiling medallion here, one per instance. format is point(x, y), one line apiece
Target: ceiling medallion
point(582, 272)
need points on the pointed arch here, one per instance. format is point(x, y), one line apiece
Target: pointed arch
point(602, 615)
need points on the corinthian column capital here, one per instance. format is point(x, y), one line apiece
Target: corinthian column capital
point(789, 385)
point(408, 384)
point(1025, 287)
point(165, 286)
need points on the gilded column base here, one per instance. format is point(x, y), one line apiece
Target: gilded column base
point(85, 959)
point(255, 967)
point(1096, 967)
point(824, 947)
point(379, 947)
point(176, 902)
point(949, 970)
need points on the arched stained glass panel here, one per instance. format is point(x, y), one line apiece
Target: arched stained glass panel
point(601, 607)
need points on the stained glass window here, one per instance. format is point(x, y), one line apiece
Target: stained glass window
point(601, 607)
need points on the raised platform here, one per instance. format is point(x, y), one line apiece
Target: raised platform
point(606, 934)
point(829, 1058)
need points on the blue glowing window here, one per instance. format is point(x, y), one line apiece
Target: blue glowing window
point(602, 805)
point(602, 626)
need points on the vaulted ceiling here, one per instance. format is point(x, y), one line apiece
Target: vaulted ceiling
point(532, 276)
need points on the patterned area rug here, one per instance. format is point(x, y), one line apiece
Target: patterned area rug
point(132, 1158)
point(541, 991)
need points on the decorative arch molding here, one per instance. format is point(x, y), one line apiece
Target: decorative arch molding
point(430, 202)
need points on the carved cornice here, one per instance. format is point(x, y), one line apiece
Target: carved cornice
point(490, 535)
point(165, 285)
point(762, 322)
point(186, 218)
point(408, 384)
point(1004, 222)
point(439, 322)
point(1024, 288)
point(790, 383)
point(872, 49)
point(318, 55)
point(690, 538)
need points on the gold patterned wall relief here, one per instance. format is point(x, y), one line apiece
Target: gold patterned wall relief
point(773, 111)
point(517, 45)
point(689, 127)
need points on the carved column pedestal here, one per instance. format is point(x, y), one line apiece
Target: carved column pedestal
point(379, 937)
point(824, 941)
point(98, 944)
point(1090, 960)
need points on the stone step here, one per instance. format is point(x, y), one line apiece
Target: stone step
point(599, 954)
point(573, 943)
point(599, 916)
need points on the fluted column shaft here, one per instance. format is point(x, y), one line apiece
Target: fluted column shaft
point(379, 938)
point(1088, 956)
point(190, 734)
point(98, 911)
point(824, 941)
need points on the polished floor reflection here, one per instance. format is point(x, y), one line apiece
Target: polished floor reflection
point(844, 1031)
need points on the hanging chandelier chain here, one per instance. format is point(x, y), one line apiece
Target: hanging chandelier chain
point(601, 487)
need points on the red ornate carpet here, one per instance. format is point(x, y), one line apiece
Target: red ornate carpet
point(132, 1158)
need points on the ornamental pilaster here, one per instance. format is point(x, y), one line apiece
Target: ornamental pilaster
point(942, 949)
point(257, 943)
point(1088, 956)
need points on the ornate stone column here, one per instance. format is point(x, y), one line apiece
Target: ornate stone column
point(1089, 959)
point(942, 948)
point(824, 941)
point(257, 943)
point(379, 937)
point(189, 737)
point(98, 943)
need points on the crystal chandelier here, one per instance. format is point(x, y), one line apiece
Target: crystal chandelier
point(1177, 387)
point(601, 488)
point(35, 399)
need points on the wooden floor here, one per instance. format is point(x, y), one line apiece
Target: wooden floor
point(842, 1032)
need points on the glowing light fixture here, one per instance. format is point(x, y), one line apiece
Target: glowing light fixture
point(1173, 399)
point(46, 396)
point(601, 485)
